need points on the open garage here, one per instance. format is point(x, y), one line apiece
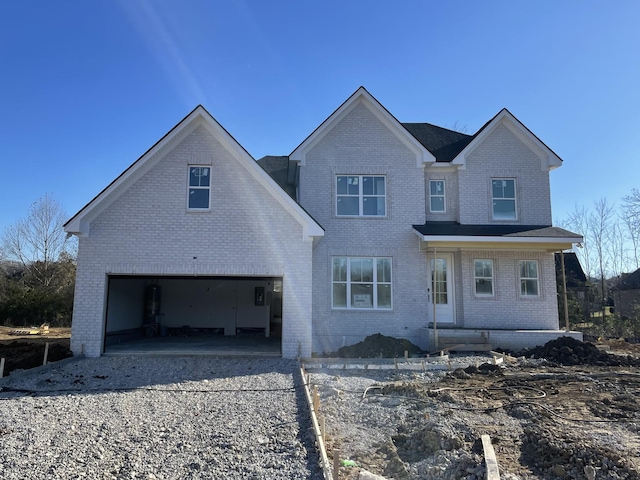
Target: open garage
point(212, 313)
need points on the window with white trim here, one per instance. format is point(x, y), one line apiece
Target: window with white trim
point(199, 188)
point(483, 278)
point(361, 195)
point(503, 194)
point(528, 278)
point(437, 202)
point(361, 283)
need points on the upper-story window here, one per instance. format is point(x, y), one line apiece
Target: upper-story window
point(503, 191)
point(199, 188)
point(437, 202)
point(360, 195)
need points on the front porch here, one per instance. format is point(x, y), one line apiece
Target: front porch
point(476, 339)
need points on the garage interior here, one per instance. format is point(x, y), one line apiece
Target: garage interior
point(193, 315)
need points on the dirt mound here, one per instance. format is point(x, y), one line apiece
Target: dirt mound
point(21, 355)
point(569, 351)
point(378, 346)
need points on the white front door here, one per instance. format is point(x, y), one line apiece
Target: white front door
point(441, 288)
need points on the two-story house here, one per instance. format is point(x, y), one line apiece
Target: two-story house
point(368, 226)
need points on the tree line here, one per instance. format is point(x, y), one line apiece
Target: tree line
point(610, 250)
point(37, 268)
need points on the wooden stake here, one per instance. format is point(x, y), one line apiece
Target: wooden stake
point(316, 399)
point(406, 354)
point(336, 464)
point(322, 429)
point(490, 459)
point(46, 353)
point(1, 367)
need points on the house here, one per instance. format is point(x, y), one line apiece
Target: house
point(626, 295)
point(368, 226)
point(576, 282)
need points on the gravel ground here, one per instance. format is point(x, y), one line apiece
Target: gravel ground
point(157, 418)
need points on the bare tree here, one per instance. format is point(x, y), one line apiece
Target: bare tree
point(617, 249)
point(599, 230)
point(631, 219)
point(38, 241)
point(578, 221)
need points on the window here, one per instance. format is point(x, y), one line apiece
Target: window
point(504, 198)
point(362, 283)
point(199, 188)
point(436, 196)
point(529, 278)
point(359, 195)
point(483, 278)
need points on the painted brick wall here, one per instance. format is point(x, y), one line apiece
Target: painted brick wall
point(451, 213)
point(147, 230)
point(502, 154)
point(506, 309)
point(362, 144)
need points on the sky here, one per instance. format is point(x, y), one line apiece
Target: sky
point(86, 87)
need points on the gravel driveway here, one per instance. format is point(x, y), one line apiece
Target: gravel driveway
point(157, 418)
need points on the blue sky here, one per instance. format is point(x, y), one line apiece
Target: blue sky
point(88, 86)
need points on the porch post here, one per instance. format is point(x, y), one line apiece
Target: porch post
point(564, 292)
point(434, 293)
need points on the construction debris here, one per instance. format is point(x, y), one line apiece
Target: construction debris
point(41, 330)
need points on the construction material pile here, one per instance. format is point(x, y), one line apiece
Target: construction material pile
point(569, 351)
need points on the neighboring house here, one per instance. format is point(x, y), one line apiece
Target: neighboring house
point(368, 226)
point(626, 295)
point(576, 281)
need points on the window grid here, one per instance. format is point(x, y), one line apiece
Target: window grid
point(437, 200)
point(483, 278)
point(503, 197)
point(529, 279)
point(361, 283)
point(199, 188)
point(361, 195)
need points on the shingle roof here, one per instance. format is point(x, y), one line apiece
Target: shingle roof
point(456, 229)
point(573, 270)
point(629, 281)
point(278, 168)
point(443, 143)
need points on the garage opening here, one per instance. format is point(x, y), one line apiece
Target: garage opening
point(194, 314)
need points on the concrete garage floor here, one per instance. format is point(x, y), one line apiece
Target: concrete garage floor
point(224, 346)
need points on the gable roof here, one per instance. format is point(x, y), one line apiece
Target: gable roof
point(362, 96)
point(629, 281)
point(548, 158)
point(79, 224)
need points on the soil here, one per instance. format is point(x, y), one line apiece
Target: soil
point(565, 410)
point(22, 352)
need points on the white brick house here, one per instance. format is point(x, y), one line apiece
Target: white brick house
point(391, 198)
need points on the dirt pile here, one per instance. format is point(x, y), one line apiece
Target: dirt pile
point(378, 346)
point(569, 351)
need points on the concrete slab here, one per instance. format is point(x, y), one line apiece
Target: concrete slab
point(240, 346)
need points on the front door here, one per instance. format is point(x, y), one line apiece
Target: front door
point(441, 288)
